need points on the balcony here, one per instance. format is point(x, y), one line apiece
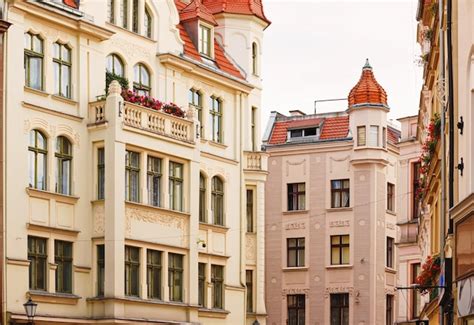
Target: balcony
point(255, 161)
point(408, 232)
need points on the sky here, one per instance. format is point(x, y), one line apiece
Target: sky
point(315, 49)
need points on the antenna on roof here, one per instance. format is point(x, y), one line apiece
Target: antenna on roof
point(326, 100)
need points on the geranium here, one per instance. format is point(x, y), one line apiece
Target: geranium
point(428, 276)
point(150, 102)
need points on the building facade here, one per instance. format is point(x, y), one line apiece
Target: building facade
point(138, 205)
point(331, 213)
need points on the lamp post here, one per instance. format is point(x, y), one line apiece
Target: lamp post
point(30, 310)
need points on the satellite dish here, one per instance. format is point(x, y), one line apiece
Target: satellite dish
point(465, 297)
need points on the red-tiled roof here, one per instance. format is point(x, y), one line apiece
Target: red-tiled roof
point(335, 128)
point(279, 133)
point(241, 7)
point(367, 90)
point(393, 135)
point(304, 123)
point(72, 3)
point(194, 10)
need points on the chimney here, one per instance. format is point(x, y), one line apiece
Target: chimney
point(297, 112)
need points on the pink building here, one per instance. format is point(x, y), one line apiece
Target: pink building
point(331, 213)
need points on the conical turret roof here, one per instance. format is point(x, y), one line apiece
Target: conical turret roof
point(367, 92)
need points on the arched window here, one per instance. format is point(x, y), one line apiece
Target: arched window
point(202, 198)
point(34, 56)
point(62, 70)
point(217, 201)
point(147, 23)
point(115, 65)
point(141, 84)
point(215, 114)
point(63, 165)
point(254, 58)
point(37, 152)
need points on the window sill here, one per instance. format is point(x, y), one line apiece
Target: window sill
point(370, 148)
point(140, 300)
point(36, 91)
point(295, 269)
point(54, 298)
point(339, 209)
point(217, 144)
point(214, 228)
point(64, 99)
point(295, 212)
point(390, 270)
point(33, 192)
point(393, 213)
point(342, 266)
point(213, 313)
point(63, 231)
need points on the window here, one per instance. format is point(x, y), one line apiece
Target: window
point(176, 186)
point(373, 136)
point(216, 119)
point(415, 188)
point(135, 16)
point(217, 198)
point(340, 193)
point(37, 156)
point(34, 55)
point(250, 211)
point(100, 173)
point(63, 260)
point(63, 165)
point(249, 285)
point(202, 284)
point(296, 196)
point(175, 276)
point(389, 310)
point(295, 252)
point(202, 198)
point(340, 309)
point(390, 252)
point(204, 40)
point(415, 294)
point(147, 23)
point(153, 273)
point(384, 137)
point(300, 133)
point(253, 122)
point(361, 136)
point(114, 65)
point(339, 249)
point(100, 269)
point(110, 11)
point(254, 58)
point(132, 271)
point(124, 12)
point(132, 176)
point(154, 181)
point(37, 255)
point(217, 279)
point(62, 70)
point(296, 309)
point(390, 196)
point(141, 84)
point(195, 99)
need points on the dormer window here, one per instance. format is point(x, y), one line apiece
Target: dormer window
point(304, 133)
point(205, 40)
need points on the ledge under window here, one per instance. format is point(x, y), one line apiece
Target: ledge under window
point(295, 268)
point(217, 144)
point(390, 270)
point(340, 266)
point(339, 209)
point(213, 313)
point(33, 192)
point(54, 298)
point(295, 212)
point(36, 91)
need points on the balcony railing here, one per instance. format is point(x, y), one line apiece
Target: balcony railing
point(97, 112)
point(256, 161)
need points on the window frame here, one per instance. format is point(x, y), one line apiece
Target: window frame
point(341, 306)
point(294, 195)
point(148, 23)
point(202, 198)
point(115, 58)
point(374, 141)
point(216, 116)
point(30, 53)
point(154, 290)
point(250, 211)
point(389, 309)
point(61, 62)
point(62, 157)
point(249, 284)
point(361, 142)
point(37, 259)
point(124, 13)
point(176, 182)
point(415, 269)
point(101, 173)
point(415, 186)
point(64, 272)
point(390, 252)
point(202, 41)
point(202, 284)
point(195, 100)
point(111, 11)
point(218, 201)
point(131, 282)
point(175, 294)
point(217, 280)
point(255, 59)
point(37, 150)
point(139, 86)
point(340, 247)
point(135, 21)
point(130, 170)
point(338, 203)
point(154, 194)
point(296, 305)
point(100, 270)
point(299, 252)
point(390, 197)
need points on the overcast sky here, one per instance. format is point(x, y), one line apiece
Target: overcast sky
point(315, 49)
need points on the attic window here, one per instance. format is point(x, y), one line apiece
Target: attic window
point(302, 133)
point(205, 40)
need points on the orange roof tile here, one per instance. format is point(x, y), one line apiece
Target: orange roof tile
point(194, 10)
point(72, 3)
point(304, 123)
point(335, 128)
point(367, 90)
point(279, 133)
point(393, 135)
point(242, 7)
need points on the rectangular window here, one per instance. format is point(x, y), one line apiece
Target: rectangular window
point(153, 274)
point(176, 186)
point(373, 136)
point(62, 70)
point(296, 309)
point(204, 40)
point(202, 284)
point(340, 309)
point(340, 250)
point(250, 212)
point(384, 137)
point(132, 271)
point(253, 125)
point(249, 284)
point(110, 11)
point(38, 257)
point(390, 251)
point(202, 198)
point(100, 270)
point(217, 279)
point(215, 115)
point(389, 310)
point(415, 294)
point(135, 16)
point(415, 188)
point(33, 61)
point(63, 260)
point(390, 197)
point(154, 181)
point(296, 196)
point(100, 173)
point(132, 176)
point(175, 276)
point(124, 13)
point(295, 252)
point(195, 99)
point(340, 193)
point(361, 135)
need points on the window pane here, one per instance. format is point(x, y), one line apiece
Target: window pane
point(374, 136)
point(361, 135)
point(37, 44)
point(345, 255)
point(36, 73)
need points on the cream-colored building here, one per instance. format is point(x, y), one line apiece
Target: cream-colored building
point(126, 209)
point(331, 209)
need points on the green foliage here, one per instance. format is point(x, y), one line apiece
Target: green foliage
point(109, 77)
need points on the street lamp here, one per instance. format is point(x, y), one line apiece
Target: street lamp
point(30, 310)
